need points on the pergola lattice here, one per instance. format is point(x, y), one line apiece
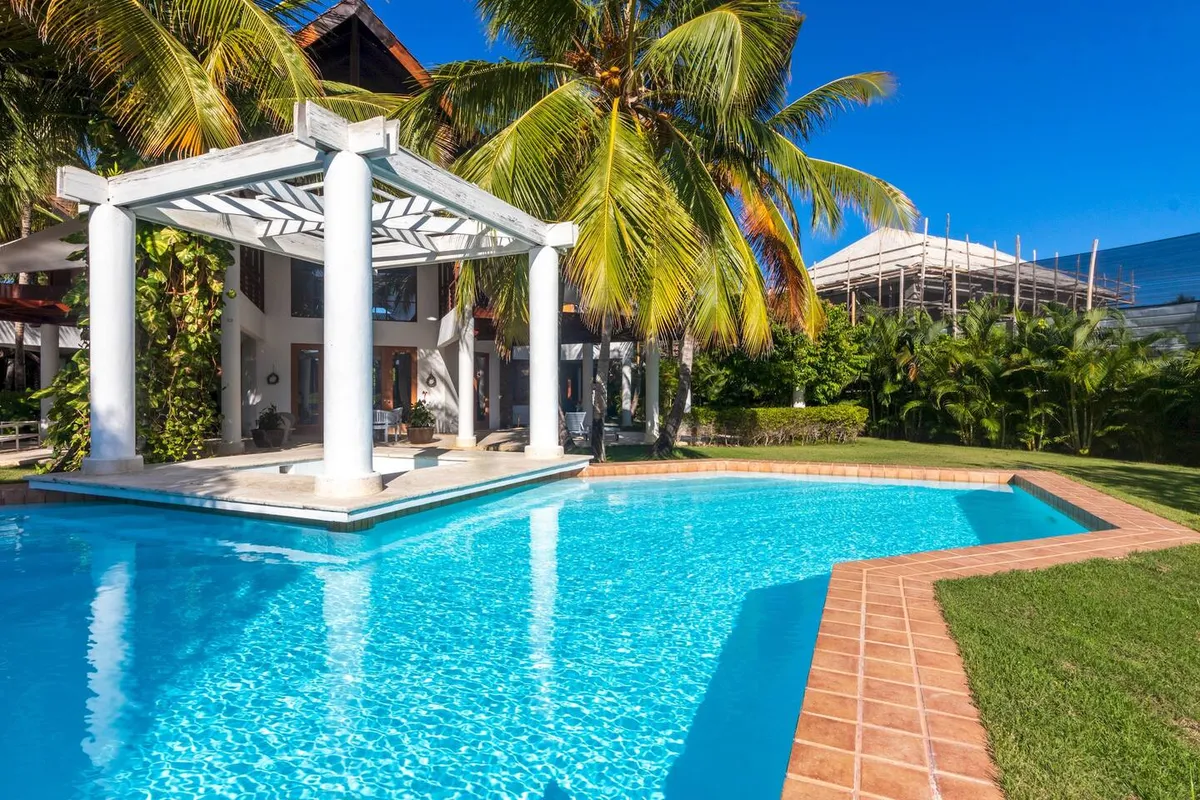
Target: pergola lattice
point(334, 192)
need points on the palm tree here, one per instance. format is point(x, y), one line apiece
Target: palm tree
point(43, 110)
point(660, 126)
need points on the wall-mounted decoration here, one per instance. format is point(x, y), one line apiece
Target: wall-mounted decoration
point(273, 378)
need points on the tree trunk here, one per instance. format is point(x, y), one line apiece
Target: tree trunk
point(19, 327)
point(665, 445)
point(600, 392)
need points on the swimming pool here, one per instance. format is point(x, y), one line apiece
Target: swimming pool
point(614, 638)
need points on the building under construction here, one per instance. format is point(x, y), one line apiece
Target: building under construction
point(900, 270)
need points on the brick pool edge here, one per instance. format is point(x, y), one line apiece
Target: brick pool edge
point(887, 711)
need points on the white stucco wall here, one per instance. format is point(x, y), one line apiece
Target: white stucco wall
point(276, 330)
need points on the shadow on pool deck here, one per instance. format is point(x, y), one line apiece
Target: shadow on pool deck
point(740, 739)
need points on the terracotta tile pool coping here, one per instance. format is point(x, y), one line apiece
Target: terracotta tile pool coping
point(887, 711)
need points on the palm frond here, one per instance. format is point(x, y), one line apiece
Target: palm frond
point(813, 111)
point(485, 97)
point(544, 29)
point(531, 162)
point(632, 229)
point(160, 92)
point(879, 203)
point(735, 54)
point(793, 297)
point(730, 272)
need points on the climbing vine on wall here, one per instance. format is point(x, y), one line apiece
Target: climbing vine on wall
point(180, 283)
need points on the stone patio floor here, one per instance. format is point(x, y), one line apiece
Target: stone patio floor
point(887, 711)
point(233, 484)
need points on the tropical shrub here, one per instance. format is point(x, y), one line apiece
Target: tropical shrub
point(819, 367)
point(757, 426)
point(178, 291)
point(16, 405)
point(1073, 380)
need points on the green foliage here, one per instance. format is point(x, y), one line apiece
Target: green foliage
point(823, 367)
point(1072, 380)
point(18, 406)
point(421, 415)
point(759, 426)
point(269, 419)
point(662, 129)
point(178, 294)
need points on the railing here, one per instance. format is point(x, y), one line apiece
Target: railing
point(19, 432)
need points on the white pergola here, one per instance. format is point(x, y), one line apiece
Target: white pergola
point(334, 192)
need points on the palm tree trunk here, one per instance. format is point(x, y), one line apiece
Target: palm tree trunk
point(19, 327)
point(669, 434)
point(600, 392)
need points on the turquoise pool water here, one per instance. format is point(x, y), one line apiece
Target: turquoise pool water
point(639, 638)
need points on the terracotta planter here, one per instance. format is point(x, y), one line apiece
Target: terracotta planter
point(420, 435)
point(267, 439)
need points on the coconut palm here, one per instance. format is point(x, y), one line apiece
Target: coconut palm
point(661, 127)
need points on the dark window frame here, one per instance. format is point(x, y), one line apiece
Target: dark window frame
point(252, 283)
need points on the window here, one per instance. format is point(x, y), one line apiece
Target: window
point(308, 289)
point(252, 284)
point(394, 297)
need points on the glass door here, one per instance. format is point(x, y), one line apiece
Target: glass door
point(307, 378)
point(404, 380)
point(482, 393)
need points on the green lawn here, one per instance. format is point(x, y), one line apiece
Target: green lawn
point(1169, 491)
point(14, 474)
point(1089, 681)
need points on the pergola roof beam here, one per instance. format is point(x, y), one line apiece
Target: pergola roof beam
point(217, 170)
point(288, 193)
point(241, 206)
point(240, 230)
point(411, 173)
point(435, 215)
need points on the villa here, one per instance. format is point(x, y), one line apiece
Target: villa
point(276, 354)
point(933, 583)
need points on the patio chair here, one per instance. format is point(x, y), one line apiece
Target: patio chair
point(577, 424)
point(289, 424)
point(385, 421)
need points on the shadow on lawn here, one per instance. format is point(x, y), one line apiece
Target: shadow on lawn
point(740, 740)
point(1160, 483)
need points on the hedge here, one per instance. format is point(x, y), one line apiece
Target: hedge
point(811, 425)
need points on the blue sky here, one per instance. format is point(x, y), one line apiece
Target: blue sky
point(1058, 120)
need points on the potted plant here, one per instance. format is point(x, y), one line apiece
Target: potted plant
point(421, 423)
point(269, 432)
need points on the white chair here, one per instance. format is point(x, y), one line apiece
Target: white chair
point(385, 421)
point(577, 424)
point(289, 424)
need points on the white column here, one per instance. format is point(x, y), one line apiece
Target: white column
point(231, 360)
point(586, 386)
point(627, 386)
point(348, 330)
point(651, 400)
point(466, 382)
point(48, 370)
point(543, 354)
point(111, 309)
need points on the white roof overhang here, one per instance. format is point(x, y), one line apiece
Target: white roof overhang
point(268, 194)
